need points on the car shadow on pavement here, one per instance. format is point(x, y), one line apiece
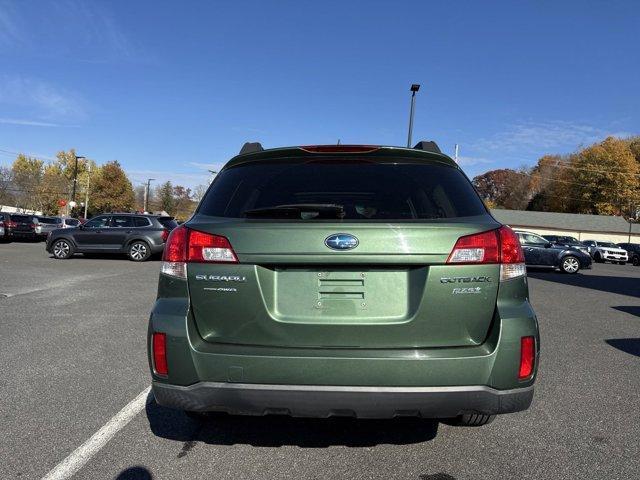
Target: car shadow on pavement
point(626, 345)
point(277, 431)
point(620, 285)
point(135, 473)
point(630, 309)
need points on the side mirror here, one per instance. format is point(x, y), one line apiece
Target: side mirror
point(547, 245)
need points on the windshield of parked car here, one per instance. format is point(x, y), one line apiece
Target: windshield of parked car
point(608, 244)
point(342, 189)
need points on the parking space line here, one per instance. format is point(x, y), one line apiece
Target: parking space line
point(81, 455)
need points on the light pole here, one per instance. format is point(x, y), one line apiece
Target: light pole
point(414, 88)
point(146, 193)
point(86, 194)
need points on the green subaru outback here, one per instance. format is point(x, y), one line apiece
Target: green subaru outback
point(343, 280)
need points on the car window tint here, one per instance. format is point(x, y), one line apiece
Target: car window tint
point(22, 218)
point(71, 221)
point(366, 190)
point(141, 221)
point(533, 239)
point(122, 221)
point(48, 220)
point(98, 222)
point(168, 222)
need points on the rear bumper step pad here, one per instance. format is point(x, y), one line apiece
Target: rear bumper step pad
point(326, 401)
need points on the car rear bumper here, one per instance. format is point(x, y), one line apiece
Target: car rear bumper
point(354, 401)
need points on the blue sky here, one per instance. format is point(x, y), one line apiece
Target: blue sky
point(173, 88)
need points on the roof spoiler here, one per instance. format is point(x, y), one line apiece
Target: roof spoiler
point(251, 147)
point(428, 146)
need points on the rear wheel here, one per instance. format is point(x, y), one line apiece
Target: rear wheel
point(139, 251)
point(472, 420)
point(62, 249)
point(570, 264)
point(598, 258)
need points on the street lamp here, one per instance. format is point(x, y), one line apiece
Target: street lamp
point(414, 88)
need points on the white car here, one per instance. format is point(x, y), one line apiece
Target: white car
point(606, 252)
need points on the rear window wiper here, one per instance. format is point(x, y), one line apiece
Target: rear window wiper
point(298, 211)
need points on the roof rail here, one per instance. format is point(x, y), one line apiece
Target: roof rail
point(428, 146)
point(251, 147)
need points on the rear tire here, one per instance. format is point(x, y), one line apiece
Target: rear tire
point(62, 249)
point(598, 258)
point(472, 420)
point(570, 264)
point(139, 251)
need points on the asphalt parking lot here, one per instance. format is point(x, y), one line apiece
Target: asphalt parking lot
point(72, 351)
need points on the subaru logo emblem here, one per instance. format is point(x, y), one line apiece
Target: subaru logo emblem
point(341, 241)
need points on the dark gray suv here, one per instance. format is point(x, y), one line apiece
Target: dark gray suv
point(139, 236)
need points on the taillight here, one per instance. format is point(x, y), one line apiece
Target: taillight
point(11, 224)
point(476, 248)
point(159, 353)
point(527, 357)
point(164, 235)
point(205, 247)
point(185, 245)
point(495, 246)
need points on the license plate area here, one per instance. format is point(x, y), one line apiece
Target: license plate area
point(343, 296)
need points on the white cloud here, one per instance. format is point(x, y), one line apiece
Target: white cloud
point(39, 98)
point(10, 31)
point(542, 137)
point(29, 123)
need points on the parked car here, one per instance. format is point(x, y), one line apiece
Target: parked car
point(45, 225)
point(68, 222)
point(567, 242)
point(138, 236)
point(633, 252)
point(343, 280)
point(606, 252)
point(18, 226)
point(539, 252)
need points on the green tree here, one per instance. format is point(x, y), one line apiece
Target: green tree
point(27, 175)
point(112, 190)
point(605, 178)
point(164, 195)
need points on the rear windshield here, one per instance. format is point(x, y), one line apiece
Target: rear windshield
point(168, 222)
point(48, 220)
point(22, 218)
point(348, 189)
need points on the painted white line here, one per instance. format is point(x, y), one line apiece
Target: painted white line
point(81, 455)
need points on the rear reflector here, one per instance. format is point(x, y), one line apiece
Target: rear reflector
point(527, 357)
point(339, 148)
point(185, 245)
point(159, 351)
point(495, 246)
